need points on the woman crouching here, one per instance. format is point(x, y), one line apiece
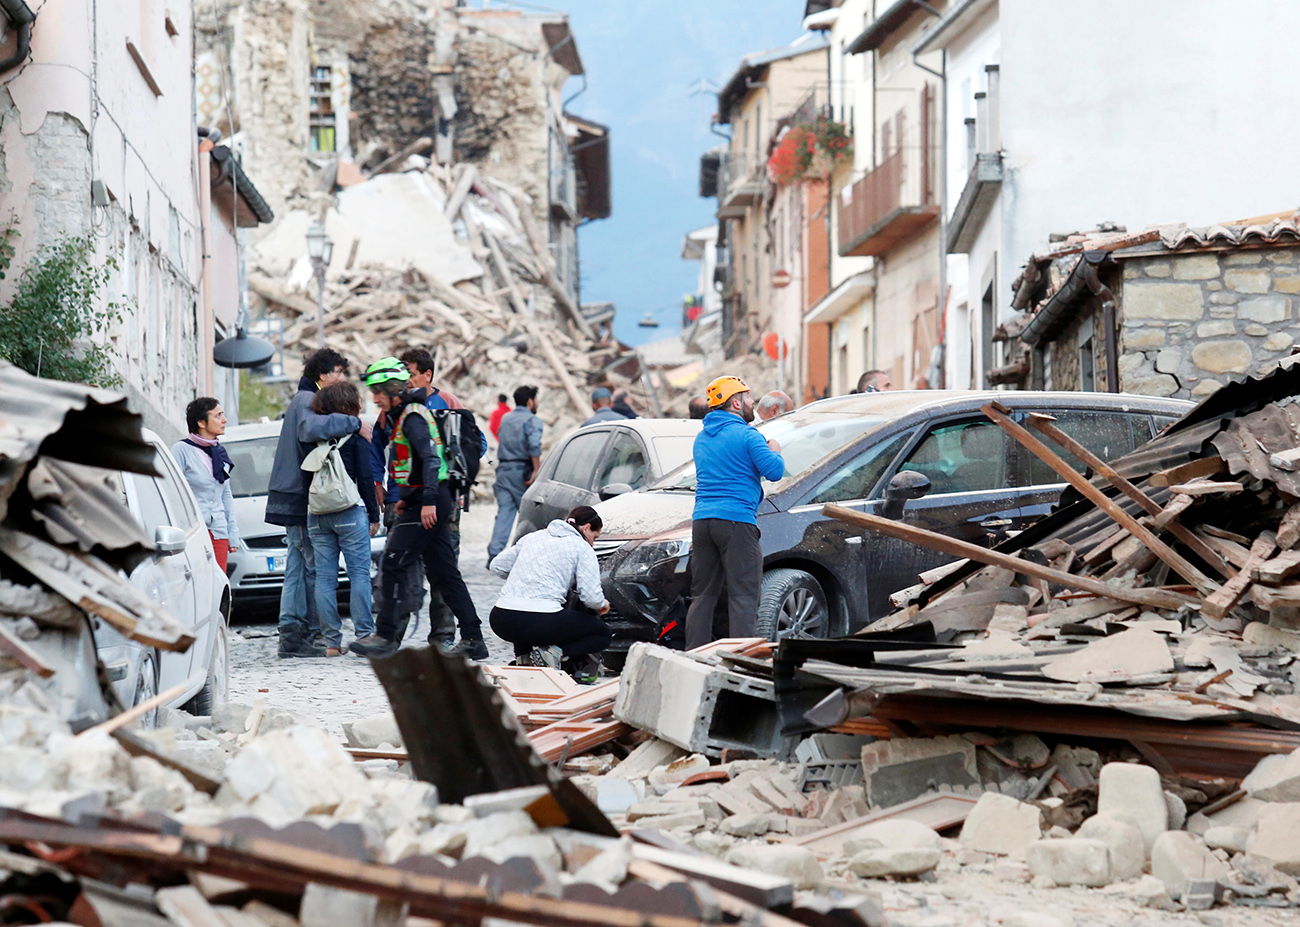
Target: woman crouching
point(531, 614)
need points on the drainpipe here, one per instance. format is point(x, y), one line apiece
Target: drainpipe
point(21, 16)
point(1103, 292)
point(206, 145)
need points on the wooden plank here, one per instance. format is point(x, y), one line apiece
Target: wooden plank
point(1045, 424)
point(1286, 460)
point(1276, 596)
point(1221, 602)
point(136, 745)
point(468, 177)
point(1231, 551)
point(938, 810)
point(1206, 466)
point(956, 548)
point(1167, 517)
point(745, 911)
point(363, 753)
point(1288, 533)
point(271, 916)
point(16, 647)
point(137, 711)
point(185, 906)
point(1100, 551)
point(1283, 566)
point(1206, 488)
point(754, 886)
point(1176, 562)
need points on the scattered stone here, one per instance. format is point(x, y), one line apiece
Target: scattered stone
point(231, 717)
point(897, 834)
point(1177, 811)
point(646, 758)
point(647, 809)
point(373, 732)
point(1151, 892)
point(1127, 848)
point(1076, 861)
point(1177, 856)
point(1268, 636)
point(678, 771)
point(324, 906)
point(1232, 839)
point(999, 824)
point(746, 825)
point(1133, 792)
point(886, 861)
point(1275, 778)
point(1135, 652)
point(1277, 837)
point(797, 864)
point(689, 820)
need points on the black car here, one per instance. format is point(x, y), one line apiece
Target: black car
point(822, 578)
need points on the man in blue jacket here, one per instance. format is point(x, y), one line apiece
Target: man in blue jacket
point(731, 460)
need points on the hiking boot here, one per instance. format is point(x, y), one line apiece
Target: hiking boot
point(471, 648)
point(445, 645)
point(301, 650)
point(373, 646)
point(550, 656)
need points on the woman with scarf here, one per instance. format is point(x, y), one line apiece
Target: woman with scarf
point(207, 467)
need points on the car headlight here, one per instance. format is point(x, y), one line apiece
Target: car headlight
point(652, 555)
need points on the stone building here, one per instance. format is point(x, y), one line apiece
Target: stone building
point(1167, 312)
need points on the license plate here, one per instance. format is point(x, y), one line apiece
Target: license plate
point(276, 564)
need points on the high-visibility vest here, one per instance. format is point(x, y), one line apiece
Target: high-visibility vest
point(400, 464)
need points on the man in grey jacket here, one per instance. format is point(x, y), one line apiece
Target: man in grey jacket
point(286, 501)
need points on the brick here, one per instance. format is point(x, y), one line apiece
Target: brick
point(1170, 301)
point(1196, 267)
point(1222, 356)
point(1248, 280)
point(1265, 309)
point(1215, 329)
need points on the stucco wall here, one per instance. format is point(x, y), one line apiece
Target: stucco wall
point(1193, 321)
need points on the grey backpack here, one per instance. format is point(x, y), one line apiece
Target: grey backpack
point(332, 490)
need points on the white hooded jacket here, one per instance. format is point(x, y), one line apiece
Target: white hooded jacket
point(542, 567)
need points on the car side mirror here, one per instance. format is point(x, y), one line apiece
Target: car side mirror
point(168, 540)
point(610, 490)
point(906, 484)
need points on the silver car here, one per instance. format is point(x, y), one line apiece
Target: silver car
point(183, 578)
point(256, 569)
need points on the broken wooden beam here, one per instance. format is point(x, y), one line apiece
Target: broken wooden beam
point(1168, 515)
point(1206, 488)
point(1046, 425)
point(953, 547)
point(1221, 602)
point(1206, 466)
point(1282, 567)
point(16, 648)
point(1001, 415)
point(1288, 533)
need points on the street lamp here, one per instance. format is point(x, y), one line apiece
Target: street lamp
point(320, 249)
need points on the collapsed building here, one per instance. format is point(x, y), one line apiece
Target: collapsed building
point(432, 142)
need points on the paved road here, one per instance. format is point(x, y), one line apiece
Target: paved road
point(344, 688)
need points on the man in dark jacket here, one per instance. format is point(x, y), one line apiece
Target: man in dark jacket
point(286, 501)
point(422, 531)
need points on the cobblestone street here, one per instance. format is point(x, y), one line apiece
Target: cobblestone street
point(341, 689)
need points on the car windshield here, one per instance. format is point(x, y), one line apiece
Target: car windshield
point(804, 441)
point(674, 450)
point(252, 458)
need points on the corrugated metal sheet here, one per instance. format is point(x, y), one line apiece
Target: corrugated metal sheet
point(68, 421)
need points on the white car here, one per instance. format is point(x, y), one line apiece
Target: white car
point(183, 578)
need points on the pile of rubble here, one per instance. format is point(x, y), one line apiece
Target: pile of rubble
point(448, 259)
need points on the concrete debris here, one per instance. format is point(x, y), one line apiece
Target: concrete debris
point(1123, 840)
point(1133, 792)
point(1277, 837)
point(1276, 778)
point(1073, 861)
point(999, 824)
point(1178, 856)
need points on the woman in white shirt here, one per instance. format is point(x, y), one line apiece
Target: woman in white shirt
point(540, 570)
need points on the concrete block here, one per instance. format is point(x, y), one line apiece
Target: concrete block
point(373, 732)
point(882, 861)
point(797, 864)
point(999, 824)
point(1177, 811)
point(1178, 856)
point(669, 777)
point(1151, 892)
point(845, 805)
point(482, 833)
point(646, 757)
point(1124, 840)
point(1076, 861)
point(699, 706)
point(896, 771)
point(899, 834)
point(1135, 652)
point(1232, 839)
point(609, 867)
point(517, 799)
point(1133, 792)
point(1277, 837)
point(231, 717)
point(323, 906)
point(747, 825)
point(1275, 778)
point(647, 809)
point(539, 847)
point(686, 820)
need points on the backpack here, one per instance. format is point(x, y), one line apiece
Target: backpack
point(462, 443)
point(332, 489)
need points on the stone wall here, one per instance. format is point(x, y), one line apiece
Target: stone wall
point(1190, 322)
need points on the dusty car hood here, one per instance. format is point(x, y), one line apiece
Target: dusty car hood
point(636, 515)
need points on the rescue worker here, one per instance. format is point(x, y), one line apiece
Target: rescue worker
point(421, 532)
point(731, 460)
point(602, 404)
point(519, 454)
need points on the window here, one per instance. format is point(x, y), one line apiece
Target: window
point(579, 458)
point(321, 114)
point(625, 462)
point(179, 503)
point(153, 513)
point(1107, 434)
point(252, 460)
point(856, 479)
point(965, 457)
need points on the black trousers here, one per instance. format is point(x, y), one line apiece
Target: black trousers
point(724, 554)
point(409, 542)
point(577, 633)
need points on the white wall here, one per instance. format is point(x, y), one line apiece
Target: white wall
point(1162, 111)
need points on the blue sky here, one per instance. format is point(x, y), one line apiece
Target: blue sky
point(642, 58)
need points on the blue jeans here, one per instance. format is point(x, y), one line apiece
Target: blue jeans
point(347, 532)
point(297, 599)
point(509, 491)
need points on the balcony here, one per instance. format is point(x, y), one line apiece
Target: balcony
point(885, 208)
point(742, 181)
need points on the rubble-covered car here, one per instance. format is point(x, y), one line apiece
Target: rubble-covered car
point(256, 569)
point(820, 578)
point(183, 578)
point(602, 461)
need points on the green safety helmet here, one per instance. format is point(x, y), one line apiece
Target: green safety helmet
point(385, 369)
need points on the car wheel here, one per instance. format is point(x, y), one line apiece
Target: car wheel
point(146, 687)
point(214, 688)
point(791, 603)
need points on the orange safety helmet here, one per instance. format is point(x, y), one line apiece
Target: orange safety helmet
point(722, 389)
